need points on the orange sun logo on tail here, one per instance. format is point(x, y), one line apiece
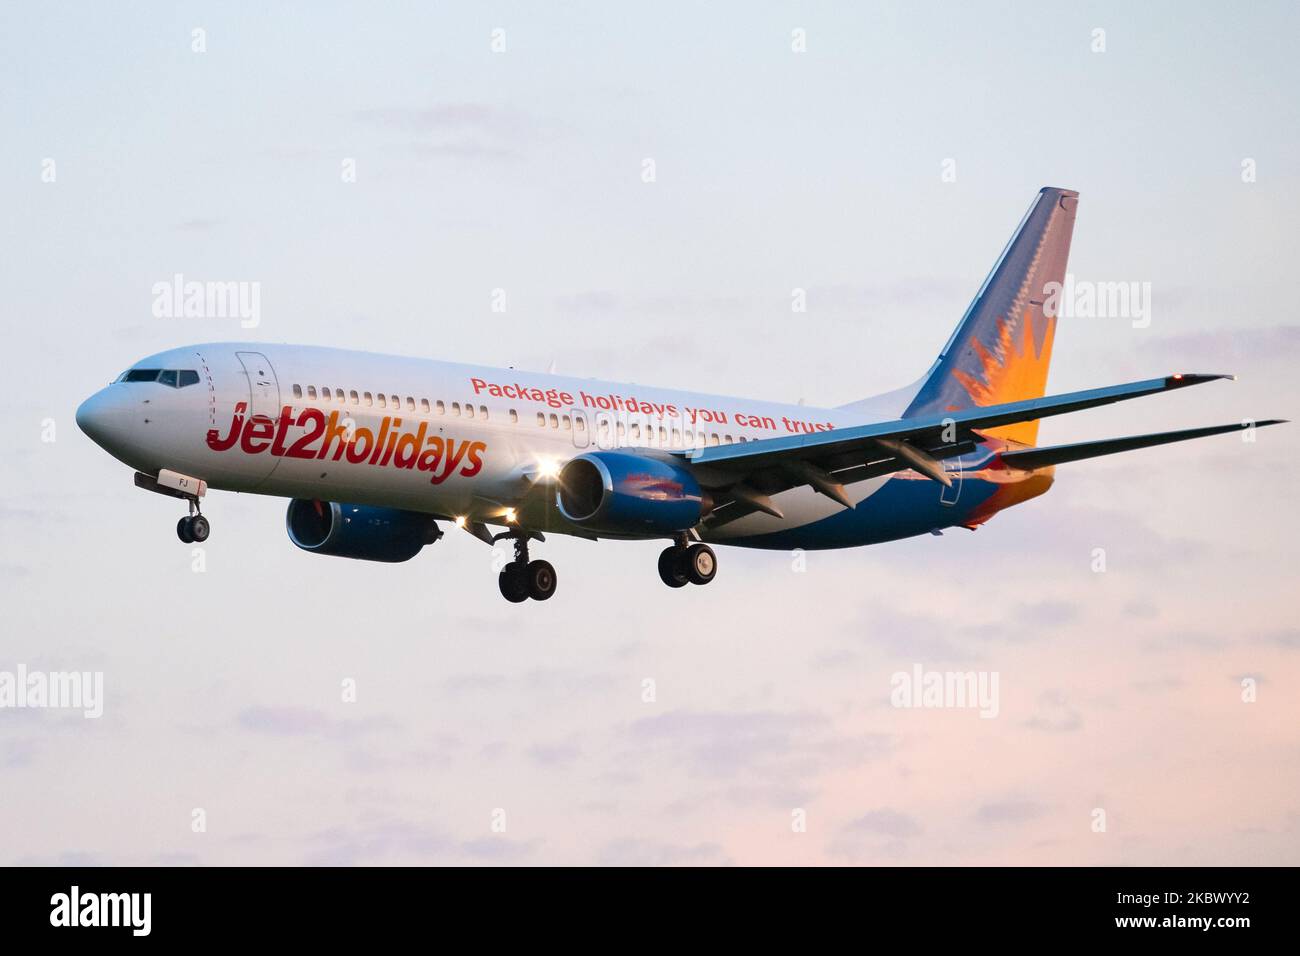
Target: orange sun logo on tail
point(1012, 370)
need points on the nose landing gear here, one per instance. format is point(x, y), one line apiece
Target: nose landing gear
point(195, 528)
point(684, 564)
point(522, 579)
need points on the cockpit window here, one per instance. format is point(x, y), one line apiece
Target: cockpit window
point(175, 378)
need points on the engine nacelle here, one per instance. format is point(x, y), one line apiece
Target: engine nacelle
point(630, 494)
point(359, 531)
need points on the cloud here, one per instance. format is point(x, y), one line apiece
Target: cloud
point(305, 722)
point(719, 744)
point(1009, 812)
point(755, 758)
point(395, 841)
point(16, 754)
point(554, 755)
point(451, 116)
point(197, 225)
point(498, 849)
point(1026, 622)
point(1288, 639)
point(1273, 342)
point(1055, 715)
point(641, 852)
point(460, 130)
point(884, 822)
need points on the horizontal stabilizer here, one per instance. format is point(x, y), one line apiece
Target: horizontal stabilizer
point(856, 441)
point(1059, 454)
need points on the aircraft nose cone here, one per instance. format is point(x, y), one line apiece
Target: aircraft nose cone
point(103, 417)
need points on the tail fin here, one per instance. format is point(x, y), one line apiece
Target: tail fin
point(1003, 345)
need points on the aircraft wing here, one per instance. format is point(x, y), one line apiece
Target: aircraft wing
point(744, 476)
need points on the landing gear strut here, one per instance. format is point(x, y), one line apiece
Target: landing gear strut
point(194, 528)
point(522, 579)
point(684, 564)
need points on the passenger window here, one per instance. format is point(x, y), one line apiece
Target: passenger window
point(469, 410)
point(713, 439)
point(424, 405)
point(482, 411)
point(297, 391)
point(677, 437)
point(369, 399)
point(383, 402)
point(338, 394)
point(541, 420)
point(566, 422)
point(397, 402)
point(311, 391)
point(580, 424)
point(442, 409)
point(324, 394)
point(636, 431)
point(555, 421)
point(726, 440)
point(455, 408)
point(355, 399)
point(514, 417)
point(410, 403)
point(622, 431)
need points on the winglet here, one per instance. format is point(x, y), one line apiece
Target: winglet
point(1183, 379)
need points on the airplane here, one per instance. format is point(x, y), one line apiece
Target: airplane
point(374, 451)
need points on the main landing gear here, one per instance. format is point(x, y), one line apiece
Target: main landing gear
point(522, 579)
point(684, 564)
point(193, 529)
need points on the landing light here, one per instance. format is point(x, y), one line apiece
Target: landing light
point(547, 468)
point(510, 516)
point(460, 521)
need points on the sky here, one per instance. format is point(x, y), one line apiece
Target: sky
point(500, 155)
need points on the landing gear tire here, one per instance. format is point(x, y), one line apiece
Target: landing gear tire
point(522, 579)
point(199, 528)
point(671, 570)
point(541, 580)
point(513, 582)
point(183, 531)
point(700, 563)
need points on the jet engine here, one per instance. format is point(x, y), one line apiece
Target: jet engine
point(359, 531)
point(622, 493)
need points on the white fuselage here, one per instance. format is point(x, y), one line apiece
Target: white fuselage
point(436, 437)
